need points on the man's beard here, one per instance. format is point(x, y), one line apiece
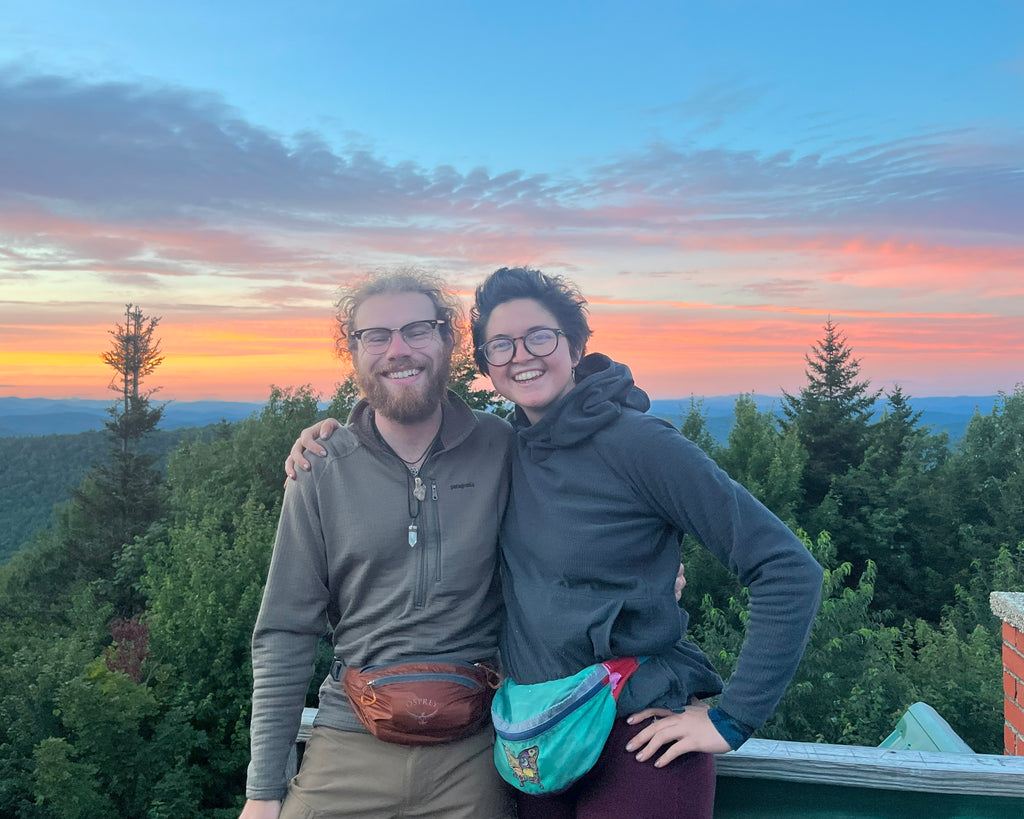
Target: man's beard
point(406, 405)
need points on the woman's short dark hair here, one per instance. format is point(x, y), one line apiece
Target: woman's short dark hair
point(557, 294)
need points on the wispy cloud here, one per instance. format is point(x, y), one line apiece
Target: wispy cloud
point(129, 154)
point(171, 193)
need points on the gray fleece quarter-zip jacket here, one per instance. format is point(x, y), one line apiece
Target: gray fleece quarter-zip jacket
point(342, 564)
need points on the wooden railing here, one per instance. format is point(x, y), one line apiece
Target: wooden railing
point(858, 766)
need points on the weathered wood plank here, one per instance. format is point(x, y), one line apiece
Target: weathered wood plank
point(308, 714)
point(884, 768)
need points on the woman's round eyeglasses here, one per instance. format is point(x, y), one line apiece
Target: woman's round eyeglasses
point(417, 334)
point(540, 342)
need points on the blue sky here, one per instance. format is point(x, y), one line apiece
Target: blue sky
point(550, 87)
point(718, 177)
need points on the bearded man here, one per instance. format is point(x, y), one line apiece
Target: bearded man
point(389, 542)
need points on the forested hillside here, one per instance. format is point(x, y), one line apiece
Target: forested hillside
point(124, 629)
point(39, 472)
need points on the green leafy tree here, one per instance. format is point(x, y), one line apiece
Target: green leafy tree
point(846, 690)
point(463, 381)
point(830, 414)
point(204, 580)
point(345, 397)
point(39, 655)
point(65, 787)
point(205, 586)
point(971, 608)
point(858, 675)
point(960, 676)
point(767, 461)
point(118, 753)
point(107, 717)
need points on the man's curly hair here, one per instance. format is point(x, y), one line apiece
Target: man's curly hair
point(447, 307)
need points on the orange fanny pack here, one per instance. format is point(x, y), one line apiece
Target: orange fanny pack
point(420, 702)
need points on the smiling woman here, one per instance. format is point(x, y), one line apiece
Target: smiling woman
point(602, 494)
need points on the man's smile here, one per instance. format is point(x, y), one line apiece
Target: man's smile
point(397, 374)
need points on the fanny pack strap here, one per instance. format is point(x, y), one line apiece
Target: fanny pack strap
point(338, 669)
point(620, 670)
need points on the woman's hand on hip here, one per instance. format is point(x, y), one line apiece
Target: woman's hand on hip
point(679, 734)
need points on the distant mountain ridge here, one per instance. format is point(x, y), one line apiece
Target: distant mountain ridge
point(46, 416)
point(943, 413)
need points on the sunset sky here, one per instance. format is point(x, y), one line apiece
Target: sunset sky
point(718, 177)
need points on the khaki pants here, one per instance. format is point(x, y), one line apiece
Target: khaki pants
point(347, 774)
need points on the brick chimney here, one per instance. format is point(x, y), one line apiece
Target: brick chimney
point(1009, 607)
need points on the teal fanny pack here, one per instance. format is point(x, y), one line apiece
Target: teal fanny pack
point(551, 733)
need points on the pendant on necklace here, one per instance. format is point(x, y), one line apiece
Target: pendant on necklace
point(419, 491)
point(412, 535)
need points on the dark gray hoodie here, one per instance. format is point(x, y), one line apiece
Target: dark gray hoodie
point(601, 494)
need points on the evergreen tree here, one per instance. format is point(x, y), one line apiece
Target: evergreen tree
point(120, 499)
point(830, 414)
point(695, 426)
point(984, 487)
point(767, 461)
point(894, 433)
point(134, 354)
point(888, 509)
point(115, 502)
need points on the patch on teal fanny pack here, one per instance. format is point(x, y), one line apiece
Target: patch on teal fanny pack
point(550, 734)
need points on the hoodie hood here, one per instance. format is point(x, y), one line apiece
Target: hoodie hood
point(603, 389)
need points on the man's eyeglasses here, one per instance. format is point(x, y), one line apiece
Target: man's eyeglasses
point(416, 334)
point(540, 342)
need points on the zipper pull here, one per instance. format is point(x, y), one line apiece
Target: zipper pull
point(412, 535)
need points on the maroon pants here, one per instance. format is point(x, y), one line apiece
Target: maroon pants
point(619, 786)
